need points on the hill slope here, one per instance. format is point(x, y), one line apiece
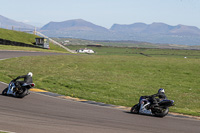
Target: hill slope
point(17, 36)
point(9, 24)
point(25, 38)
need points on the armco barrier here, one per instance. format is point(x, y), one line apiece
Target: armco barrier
point(13, 43)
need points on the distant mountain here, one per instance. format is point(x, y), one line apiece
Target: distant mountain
point(9, 24)
point(74, 25)
point(159, 33)
point(157, 28)
point(76, 28)
point(153, 33)
point(136, 28)
point(79, 28)
point(183, 30)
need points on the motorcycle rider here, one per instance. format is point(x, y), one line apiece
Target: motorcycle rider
point(27, 79)
point(153, 100)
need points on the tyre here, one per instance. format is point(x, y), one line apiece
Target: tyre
point(22, 94)
point(135, 109)
point(162, 112)
point(4, 92)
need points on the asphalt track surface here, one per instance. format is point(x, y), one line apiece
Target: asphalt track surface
point(38, 113)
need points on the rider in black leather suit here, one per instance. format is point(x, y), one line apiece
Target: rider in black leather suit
point(153, 98)
point(27, 79)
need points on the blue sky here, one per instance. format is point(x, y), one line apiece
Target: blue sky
point(103, 12)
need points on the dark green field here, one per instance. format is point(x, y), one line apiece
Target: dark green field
point(116, 75)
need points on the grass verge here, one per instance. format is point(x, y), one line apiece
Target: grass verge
point(53, 48)
point(25, 38)
point(113, 79)
point(17, 36)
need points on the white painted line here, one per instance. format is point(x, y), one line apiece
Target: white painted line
point(6, 131)
point(5, 59)
point(3, 83)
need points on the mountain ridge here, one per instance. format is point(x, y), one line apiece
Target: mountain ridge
point(9, 24)
point(75, 24)
point(156, 32)
point(154, 28)
point(157, 28)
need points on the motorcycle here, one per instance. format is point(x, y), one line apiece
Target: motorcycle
point(144, 107)
point(16, 90)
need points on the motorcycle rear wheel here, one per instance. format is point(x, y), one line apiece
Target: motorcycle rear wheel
point(135, 109)
point(21, 95)
point(162, 113)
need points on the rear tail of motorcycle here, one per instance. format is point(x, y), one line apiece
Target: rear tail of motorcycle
point(166, 103)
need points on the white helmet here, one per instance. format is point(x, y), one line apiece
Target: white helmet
point(161, 90)
point(30, 74)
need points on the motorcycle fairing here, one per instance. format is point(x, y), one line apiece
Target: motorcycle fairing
point(11, 86)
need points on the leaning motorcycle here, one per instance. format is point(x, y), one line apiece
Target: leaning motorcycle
point(16, 90)
point(144, 107)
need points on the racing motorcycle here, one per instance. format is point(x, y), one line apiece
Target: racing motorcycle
point(144, 107)
point(16, 90)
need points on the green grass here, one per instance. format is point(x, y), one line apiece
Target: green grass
point(138, 51)
point(18, 48)
point(112, 75)
point(17, 36)
point(113, 79)
point(24, 38)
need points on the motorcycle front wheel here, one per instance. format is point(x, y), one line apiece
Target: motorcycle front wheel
point(135, 109)
point(4, 92)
